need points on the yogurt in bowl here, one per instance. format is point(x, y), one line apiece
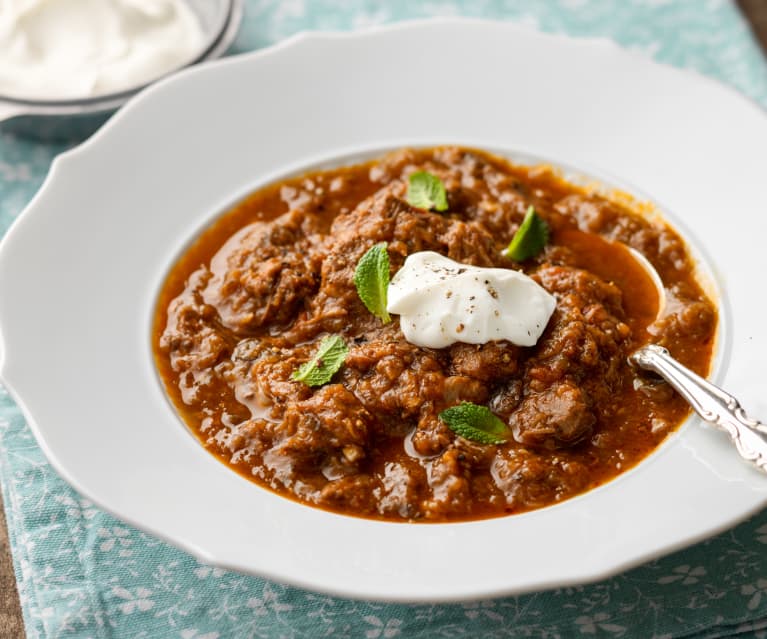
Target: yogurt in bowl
point(66, 66)
point(65, 49)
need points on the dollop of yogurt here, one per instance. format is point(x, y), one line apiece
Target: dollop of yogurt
point(441, 302)
point(65, 49)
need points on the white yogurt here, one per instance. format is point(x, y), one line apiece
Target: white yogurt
point(441, 302)
point(63, 49)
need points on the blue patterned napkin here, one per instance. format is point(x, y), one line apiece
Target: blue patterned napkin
point(82, 573)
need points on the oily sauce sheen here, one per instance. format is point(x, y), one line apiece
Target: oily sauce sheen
point(252, 298)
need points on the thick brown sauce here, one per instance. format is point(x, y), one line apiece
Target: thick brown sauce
point(436, 476)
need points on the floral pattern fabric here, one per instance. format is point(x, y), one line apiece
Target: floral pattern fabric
point(83, 574)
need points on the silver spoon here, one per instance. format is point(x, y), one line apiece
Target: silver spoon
point(711, 403)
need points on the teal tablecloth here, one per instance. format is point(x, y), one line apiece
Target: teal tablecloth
point(82, 573)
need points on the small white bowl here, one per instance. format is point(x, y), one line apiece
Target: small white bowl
point(76, 118)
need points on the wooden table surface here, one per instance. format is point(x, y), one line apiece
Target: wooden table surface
point(11, 624)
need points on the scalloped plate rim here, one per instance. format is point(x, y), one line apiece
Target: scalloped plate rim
point(61, 166)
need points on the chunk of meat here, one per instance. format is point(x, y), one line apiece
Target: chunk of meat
point(401, 487)
point(559, 416)
point(687, 317)
point(327, 432)
point(263, 273)
point(527, 481)
point(586, 334)
point(487, 362)
point(450, 487)
point(394, 380)
point(355, 493)
point(190, 337)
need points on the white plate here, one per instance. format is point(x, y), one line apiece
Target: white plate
point(80, 269)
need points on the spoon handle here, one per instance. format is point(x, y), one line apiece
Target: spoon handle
point(710, 402)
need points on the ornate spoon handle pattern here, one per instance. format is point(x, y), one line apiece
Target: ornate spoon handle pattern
point(710, 402)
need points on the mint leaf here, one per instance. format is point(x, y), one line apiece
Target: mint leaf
point(529, 239)
point(371, 277)
point(426, 191)
point(327, 360)
point(476, 423)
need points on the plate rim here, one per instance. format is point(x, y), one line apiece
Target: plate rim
point(59, 166)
